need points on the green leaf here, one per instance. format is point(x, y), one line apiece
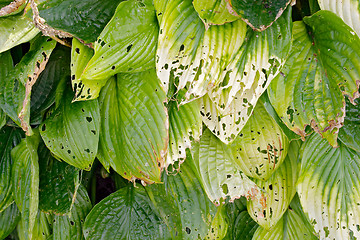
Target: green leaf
point(219, 174)
point(349, 133)
point(134, 126)
point(71, 226)
point(8, 220)
point(15, 30)
point(84, 89)
point(280, 189)
point(43, 91)
point(185, 127)
point(42, 228)
point(328, 188)
point(25, 180)
point(9, 138)
point(8, 8)
point(227, 107)
point(214, 12)
point(17, 84)
point(83, 19)
point(125, 214)
point(127, 43)
point(259, 14)
point(261, 146)
point(219, 225)
point(72, 131)
point(320, 68)
point(59, 183)
point(348, 10)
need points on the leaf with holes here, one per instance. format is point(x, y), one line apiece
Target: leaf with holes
point(134, 126)
point(261, 146)
point(25, 180)
point(72, 131)
point(328, 188)
point(258, 14)
point(42, 228)
point(321, 68)
point(280, 189)
point(127, 43)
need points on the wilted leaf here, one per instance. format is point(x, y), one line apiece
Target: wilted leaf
point(8, 8)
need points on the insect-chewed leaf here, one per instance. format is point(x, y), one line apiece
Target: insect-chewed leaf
point(197, 58)
point(219, 173)
point(280, 189)
point(17, 84)
point(127, 43)
point(125, 214)
point(293, 225)
point(328, 188)
point(85, 89)
point(84, 19)
point(42, 228)
point(9, 218)
point(71, 226)
point(15, 30)
point(261, 146)
point(309, 92)
point(59, 183)
point(258, 14)
point(9, 138)
point(72, 131)
point(185, 127)
point(348, 10)
point(230, 104)
point(134, 126)
point(214, 12)
point(8, 8)
point(25, 180)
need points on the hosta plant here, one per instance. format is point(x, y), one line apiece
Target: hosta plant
point(179, 119)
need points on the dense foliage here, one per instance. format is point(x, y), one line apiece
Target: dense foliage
point(179, 119)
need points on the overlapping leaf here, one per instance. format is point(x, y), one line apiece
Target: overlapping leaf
point(134, 126)
point(261, 146)
point(320, 68)
point(127, 43)
point(220, 175)
point(72, 131)
point(258, 14)
point(8, 8)
point(280, 189)
point(328, 188)
point(25, 180)
point(15, 30)
point(8, 220)
point(42, 228)
point(83, 19)
point(230, 105)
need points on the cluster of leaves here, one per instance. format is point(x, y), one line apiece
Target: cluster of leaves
point(179, 119)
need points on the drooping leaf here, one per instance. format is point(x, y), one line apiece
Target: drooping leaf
point(17, 84)
point(227, 108)
point(261, 146)
point(280, 189)
point(15, 30)
point(71, 226)
point(8, 220)
point(58, 183)
point(185, 127)
point(72, 131)
point(43, 91)
point(258, 14)
point(83, 19)
point(328, 188)
point(127, 43)
point(25, 180)
point(320, 68)
point(125, 214)
point(214, 12)
point(134, 126)
point(220, 175)
point(84, 89)
point(347, 10)
point(349, 133)
point(9, 138)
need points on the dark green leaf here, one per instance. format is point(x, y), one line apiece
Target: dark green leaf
point(42, 228)
point(8, 220)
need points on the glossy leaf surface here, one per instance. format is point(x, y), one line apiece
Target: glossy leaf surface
point(8, 220)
